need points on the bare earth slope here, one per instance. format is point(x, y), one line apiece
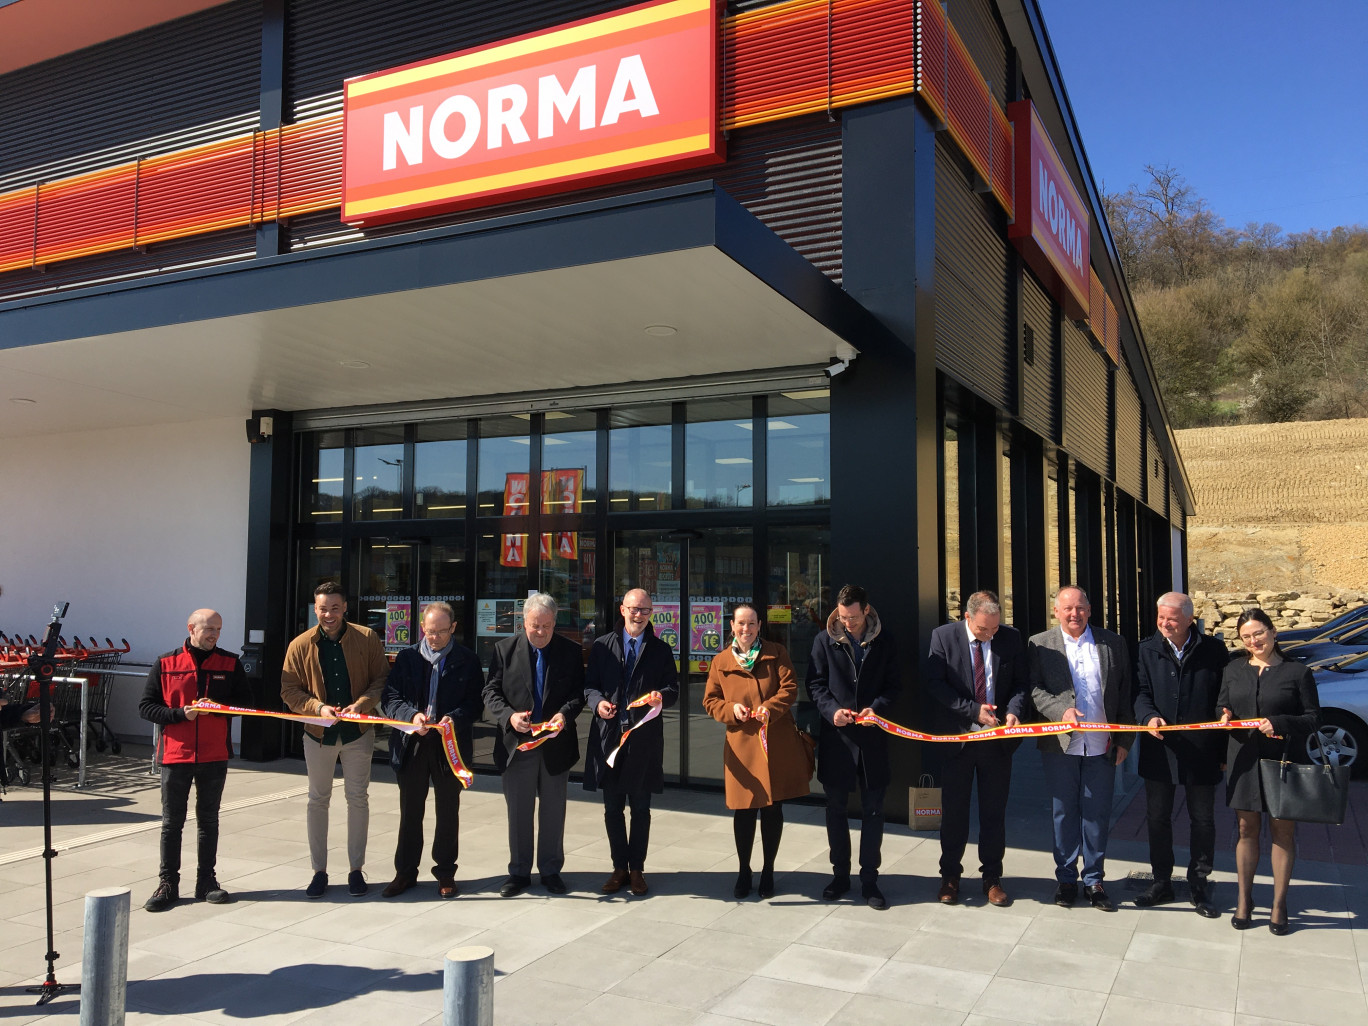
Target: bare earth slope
point(1279, 506)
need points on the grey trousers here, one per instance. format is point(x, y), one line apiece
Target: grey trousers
point(321, 763)
point(525, 780)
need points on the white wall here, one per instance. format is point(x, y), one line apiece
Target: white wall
point(135, 527)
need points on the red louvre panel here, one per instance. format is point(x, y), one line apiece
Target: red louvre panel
point(265, 198)
point(873, 50)
point(775, 63)
point(1003, 179)
point(311, 166)
point(92, 213)
point(1097, 307)
point(933, 57)
point(204, 189)
point(969, 102)
point(16, 228)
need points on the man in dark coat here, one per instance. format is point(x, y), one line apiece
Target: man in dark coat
point(436, 681)
point(853, 671)
point(535, 677)
point(977, 680)
point(625, 665)
point(1178, 680)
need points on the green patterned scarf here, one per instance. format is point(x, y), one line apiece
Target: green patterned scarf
point(746, 659)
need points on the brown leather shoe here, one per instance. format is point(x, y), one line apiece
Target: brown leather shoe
point(615, 882)
point(638, 882)
point(399, 885)
point(992, 890)
point(446, 887)
point(949, 892)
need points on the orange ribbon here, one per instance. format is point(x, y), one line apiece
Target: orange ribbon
point(1044, 729)
point(541, 733)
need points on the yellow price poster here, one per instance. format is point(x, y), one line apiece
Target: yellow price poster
point(705, 629)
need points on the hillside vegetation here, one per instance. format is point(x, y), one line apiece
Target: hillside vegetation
point(1243, 325)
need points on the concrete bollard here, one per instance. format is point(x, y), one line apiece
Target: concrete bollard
point(468, 987)
point(104, 964)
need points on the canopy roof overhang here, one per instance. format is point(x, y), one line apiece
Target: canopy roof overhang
point(555, 299)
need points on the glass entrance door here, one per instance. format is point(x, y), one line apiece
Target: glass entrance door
point(694, 579)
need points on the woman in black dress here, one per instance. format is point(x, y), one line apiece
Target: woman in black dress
point(1281, 695)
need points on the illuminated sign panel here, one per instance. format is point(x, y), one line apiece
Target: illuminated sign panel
point(613, 97)
point(1052, 222)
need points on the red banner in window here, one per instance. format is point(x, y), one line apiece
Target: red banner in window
point(562, 492)
point(513, 547)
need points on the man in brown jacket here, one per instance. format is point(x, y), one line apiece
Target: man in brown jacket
point(336, 667)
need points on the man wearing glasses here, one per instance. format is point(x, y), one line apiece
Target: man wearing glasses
point(437, 681)
point(625, 665)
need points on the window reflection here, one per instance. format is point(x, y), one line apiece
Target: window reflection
point(799, 454)
point(950, 497)
point(439, 470)
point(639, 458)
point(504, 458)
point(322, 462)
point(718, 447)
point(378, 488)
point(569, 458)
point(1006, 593)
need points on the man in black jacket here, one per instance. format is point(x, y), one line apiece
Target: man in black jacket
point(1177, 681)
point(977, 679)
point(853, 671)
point(625, 665)
point(536, 677)
point(437, 681)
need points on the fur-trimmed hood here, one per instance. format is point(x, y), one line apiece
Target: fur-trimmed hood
point(838, 634)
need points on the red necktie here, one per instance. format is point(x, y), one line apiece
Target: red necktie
point(980, 676)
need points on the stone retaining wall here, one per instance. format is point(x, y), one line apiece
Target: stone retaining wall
point(1287, 609)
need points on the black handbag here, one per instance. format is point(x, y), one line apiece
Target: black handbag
point(1306, 794)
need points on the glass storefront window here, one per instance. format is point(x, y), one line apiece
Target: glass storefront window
point(800, 598)
point(499, 592)
point(1052, 567)
point(950, 504)
point(322, 461)
point(504, 458)
point(439, 470)
point(569, 458)
point(639, 463)
point(384, 591)
point(319, 561)
point(378, 469)
point(442, 578)
point(799, 454)
point(568, 572)
point(718, 454)
point(721, 574)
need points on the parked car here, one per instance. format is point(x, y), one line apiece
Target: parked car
point(1346, 619)
point(1343, 690)
point(1348, 641)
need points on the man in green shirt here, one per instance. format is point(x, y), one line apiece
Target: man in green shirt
point(336, 667)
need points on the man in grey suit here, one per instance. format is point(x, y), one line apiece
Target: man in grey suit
point(1081, 674)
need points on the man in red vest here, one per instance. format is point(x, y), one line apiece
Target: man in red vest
point(195, 749)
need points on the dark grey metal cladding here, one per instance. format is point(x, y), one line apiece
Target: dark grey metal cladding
point(196, 71)
point(1085, 400)
point(1177, 515)
point(1038, 400)
point(978, 26)
point(329, 40)
point(1130, 433)
point(975, 335)
point(1156, 471)
point(788, 174)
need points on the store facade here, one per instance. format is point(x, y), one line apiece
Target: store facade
point(855, 329)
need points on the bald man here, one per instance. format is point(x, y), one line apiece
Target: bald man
point(195, 748)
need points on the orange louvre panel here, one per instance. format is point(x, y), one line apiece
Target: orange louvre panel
point(310, 166)
point(1097, 308)
point(16, 228)
point(775, 63)
point(1001, 177)
point(201, 190)
point(92, 213)
point(1112, 339)
point(933, 58)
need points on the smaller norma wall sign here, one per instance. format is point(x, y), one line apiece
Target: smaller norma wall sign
point(619, 96)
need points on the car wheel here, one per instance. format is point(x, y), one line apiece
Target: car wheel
point(1344, 737)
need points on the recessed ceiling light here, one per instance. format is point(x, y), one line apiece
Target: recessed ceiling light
point(356, 364)
point(808, 393)
point(23, 400)
point(728, 460)
point(660, 330)
point(806, 480)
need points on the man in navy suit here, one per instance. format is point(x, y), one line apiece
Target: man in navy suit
point(977, 680)
point(436, 681)
point(624, 665)
point(536, 677)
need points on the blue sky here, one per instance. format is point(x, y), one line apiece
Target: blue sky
point(1262, 106)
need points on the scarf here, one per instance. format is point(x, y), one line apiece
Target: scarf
point(747, 659)
point(434, 656)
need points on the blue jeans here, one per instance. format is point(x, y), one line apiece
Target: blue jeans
point(1081, 799)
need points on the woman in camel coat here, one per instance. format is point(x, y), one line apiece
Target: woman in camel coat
point(751, 685)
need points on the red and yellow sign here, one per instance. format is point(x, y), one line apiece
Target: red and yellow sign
point(608, 98)
point(1052, 223)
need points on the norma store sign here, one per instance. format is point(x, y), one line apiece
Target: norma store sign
point(1051, 226)
point(608, 98)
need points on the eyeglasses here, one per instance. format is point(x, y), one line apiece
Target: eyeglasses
point(436, 632)
point(637, 610)
point(1255, 635)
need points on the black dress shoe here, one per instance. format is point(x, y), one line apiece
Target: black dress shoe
point(1066, 894)
point(1098, 896)
point(514, 885)
point(839, 885)
point(1278, 929)
point(742, 887)
point(874, 897)
point(553, 883)
point(1158, 893)
point(765, 889)
point(1201, 901)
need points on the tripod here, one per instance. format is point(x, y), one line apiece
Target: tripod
point(43, 666)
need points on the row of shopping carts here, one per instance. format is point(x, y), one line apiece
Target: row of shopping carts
point(80, 694)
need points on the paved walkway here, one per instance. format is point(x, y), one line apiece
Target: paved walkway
point(686, 953)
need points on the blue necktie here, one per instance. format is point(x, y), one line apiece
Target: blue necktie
point(540, 689)
point(631, 656)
